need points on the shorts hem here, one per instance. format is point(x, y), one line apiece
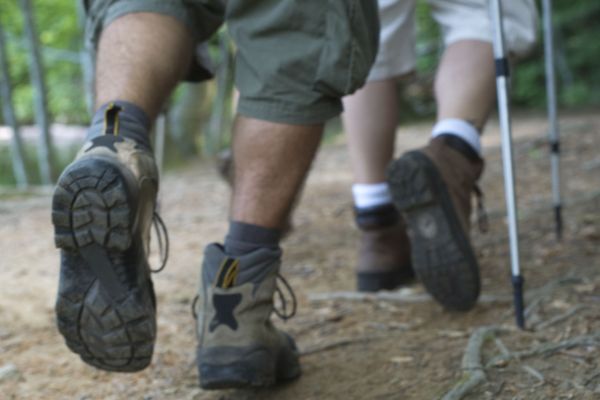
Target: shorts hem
point(385, 71)
point(172, 9)
point(276, 112)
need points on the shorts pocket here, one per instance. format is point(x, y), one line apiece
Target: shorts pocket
point(349, 46)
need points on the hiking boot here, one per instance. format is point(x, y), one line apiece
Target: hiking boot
point(384, 250)
point(238, 346)
point(432, 187)
point(102, 211)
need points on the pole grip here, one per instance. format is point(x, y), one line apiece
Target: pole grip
point(519, 303)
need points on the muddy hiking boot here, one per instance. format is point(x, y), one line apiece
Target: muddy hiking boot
point(433, 187)
point(102, 210)
point(384, 250)
point(238, 346)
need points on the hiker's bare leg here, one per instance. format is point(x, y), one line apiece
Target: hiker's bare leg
point(370, 119)
point(271, 161)
point(141, 57)
point(465, 82)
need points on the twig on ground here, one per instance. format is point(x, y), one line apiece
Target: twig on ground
point(535, 373)
point(338, 343)
point(534, 297)
point(400, 296)
point(591, 378)
point(473, 373)
point(546, 349)
point(539, 293)
point(501, 346)
point(559, 318)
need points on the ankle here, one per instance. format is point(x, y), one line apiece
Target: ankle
point(124, 119)
point(243, 238)
point(455, 128)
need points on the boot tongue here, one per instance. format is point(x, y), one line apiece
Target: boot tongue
point(228, 273)
point(117, 120)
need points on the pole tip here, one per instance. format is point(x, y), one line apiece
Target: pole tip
point(558, 221)
point(519, 303)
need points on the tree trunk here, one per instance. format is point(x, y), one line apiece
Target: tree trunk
point(87, 62)
point(41, 105)
point(10, 118)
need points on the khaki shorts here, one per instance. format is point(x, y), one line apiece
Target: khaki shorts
point(458, 20)
point(295, 58)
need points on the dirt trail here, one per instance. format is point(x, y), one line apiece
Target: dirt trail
point(402, 348)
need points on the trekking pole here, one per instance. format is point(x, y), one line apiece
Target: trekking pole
point(553, 129)
point(502, 73)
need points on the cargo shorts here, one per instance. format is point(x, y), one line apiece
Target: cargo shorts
point(295, 59)
point(458, 20)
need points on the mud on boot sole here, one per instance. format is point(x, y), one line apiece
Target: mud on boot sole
point(441, 254)
point(103, 312)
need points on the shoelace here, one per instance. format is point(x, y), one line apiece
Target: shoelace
point(162, 236)
point(482, 217)
point(281, 314)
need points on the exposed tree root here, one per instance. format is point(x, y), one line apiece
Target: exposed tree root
point(337, 343)
point(473, 372)
point(546, 349)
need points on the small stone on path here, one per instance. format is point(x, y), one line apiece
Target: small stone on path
point(9, 371)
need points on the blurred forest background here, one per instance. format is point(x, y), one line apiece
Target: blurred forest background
point(203, 112)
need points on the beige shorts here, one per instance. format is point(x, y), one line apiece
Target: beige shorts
point(458, 20)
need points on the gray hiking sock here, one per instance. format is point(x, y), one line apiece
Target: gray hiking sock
point(244, 238)
point(121, 118)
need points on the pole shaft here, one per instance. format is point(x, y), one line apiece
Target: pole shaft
point(505, 128)
point(553, 128)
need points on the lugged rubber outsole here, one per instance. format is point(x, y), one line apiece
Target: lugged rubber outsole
point(441, 254)
point(105, 310)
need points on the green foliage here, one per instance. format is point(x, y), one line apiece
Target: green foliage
point(577, 50)
point(60, 40)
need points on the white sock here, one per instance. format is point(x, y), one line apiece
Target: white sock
point(371, 194)
point(460, 128)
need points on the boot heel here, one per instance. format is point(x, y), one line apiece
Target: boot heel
point(409, 182)
point(91, 204)
point(256, 368)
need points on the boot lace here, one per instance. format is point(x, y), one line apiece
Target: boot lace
point(162, 236)
point(283, 314)
point(482, 216)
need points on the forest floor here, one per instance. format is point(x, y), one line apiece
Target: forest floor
point(398, 345)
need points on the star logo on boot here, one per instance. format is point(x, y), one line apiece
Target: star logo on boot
point(107, 141)
point(224, 305)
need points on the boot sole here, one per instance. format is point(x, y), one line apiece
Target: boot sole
point(239, 368)
point(441, 254)
point(103, 312)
